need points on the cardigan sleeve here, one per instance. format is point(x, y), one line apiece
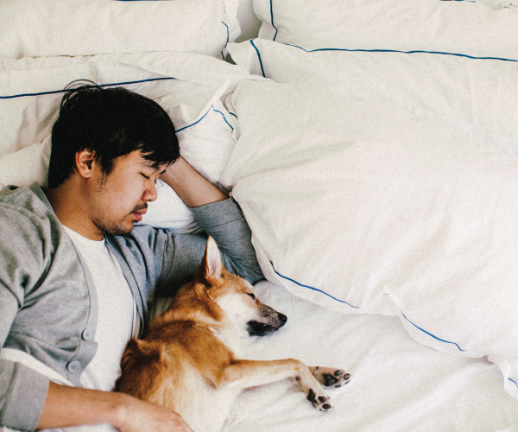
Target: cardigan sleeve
point(22, 390)
point(177, 256)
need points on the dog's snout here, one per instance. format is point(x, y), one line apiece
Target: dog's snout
point(276, 319)
point(283, 318)
point(269, 322)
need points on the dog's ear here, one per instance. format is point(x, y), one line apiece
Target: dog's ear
point(212, 263)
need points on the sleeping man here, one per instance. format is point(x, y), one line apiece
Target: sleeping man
point(77, 278)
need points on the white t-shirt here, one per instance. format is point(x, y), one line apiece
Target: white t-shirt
point(117, 321)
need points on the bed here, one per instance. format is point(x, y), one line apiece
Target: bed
point(373, 149)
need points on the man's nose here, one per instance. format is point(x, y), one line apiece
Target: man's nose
point(150, 194)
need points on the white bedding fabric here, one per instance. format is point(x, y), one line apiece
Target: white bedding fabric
point(396, 384)
point(248, 21)
point(187, 85)
point(374, 183)
point(372, 207)
point(479, 93)
point(462, 27)
point(89, 27)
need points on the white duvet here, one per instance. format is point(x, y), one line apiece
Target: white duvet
point(385, 204)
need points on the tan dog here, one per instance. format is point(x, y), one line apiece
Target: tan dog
point(187, 363)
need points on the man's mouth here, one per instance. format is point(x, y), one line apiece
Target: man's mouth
point(138, 214)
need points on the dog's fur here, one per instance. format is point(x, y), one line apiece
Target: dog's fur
point(187, 363)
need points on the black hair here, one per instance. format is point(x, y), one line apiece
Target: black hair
point(111, 122)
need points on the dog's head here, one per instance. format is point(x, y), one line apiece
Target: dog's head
point(235, 296)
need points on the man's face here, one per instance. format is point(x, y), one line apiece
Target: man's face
point(119, 199)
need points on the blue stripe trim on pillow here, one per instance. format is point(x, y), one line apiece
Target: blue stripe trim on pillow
point(513, 381)
point(224, 118)
point(277, 30)
point(228, 39)
point(121, 84)
point(202, 117)
point(258, 56)
point(382, 51)
point(232, 114)
point(356, 307)
point(193, 124)
point(228, 32)
point(401, 52)
point(430, 334)
point(271, 19)
point(100, 85)
point(312, 288)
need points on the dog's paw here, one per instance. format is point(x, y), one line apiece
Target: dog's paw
point(320, 401)
point(330, 377)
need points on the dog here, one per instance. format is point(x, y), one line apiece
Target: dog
point(187, 361)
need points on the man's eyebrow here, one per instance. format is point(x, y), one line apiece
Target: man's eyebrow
point(154, 168)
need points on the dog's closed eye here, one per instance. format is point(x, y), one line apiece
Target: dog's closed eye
point(251, 295)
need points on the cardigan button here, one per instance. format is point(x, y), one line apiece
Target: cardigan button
point(87, 334)
point(73, 366)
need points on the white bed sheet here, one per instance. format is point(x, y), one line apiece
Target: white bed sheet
point(396, 384)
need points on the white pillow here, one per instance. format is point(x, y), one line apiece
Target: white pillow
point(206, 142)
point(430, 25)
point(498, 4)
point(479, 93)
point(26, 166)
point(248, 21)
point(169, 211)
point(363, 207)
point(86, 27)
point(190, 95)
point(31, 88)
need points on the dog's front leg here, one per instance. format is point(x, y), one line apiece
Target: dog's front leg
point(251, 373)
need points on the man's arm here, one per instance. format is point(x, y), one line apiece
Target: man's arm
point(22, 390)
point(194, 189)
point(220, 217)
point(70, 406)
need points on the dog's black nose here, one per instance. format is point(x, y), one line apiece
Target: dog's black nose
point(283, 318)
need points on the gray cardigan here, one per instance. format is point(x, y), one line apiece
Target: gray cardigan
point(48, 304)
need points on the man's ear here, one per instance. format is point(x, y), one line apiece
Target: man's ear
point(85, 161)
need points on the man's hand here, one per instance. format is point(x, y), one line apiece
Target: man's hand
point(139, 416)
point(71, 406)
